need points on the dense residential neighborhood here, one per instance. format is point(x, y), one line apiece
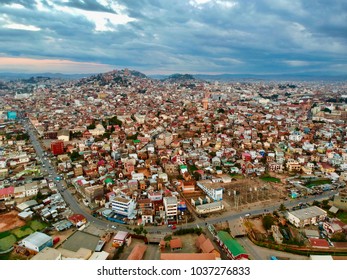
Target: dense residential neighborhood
point(122, 166)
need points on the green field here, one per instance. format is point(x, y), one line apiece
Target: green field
point(311, 184)
point(268, 178)
point(22, 232)
point(4, 234)
point(7, 242)
point(36, 225)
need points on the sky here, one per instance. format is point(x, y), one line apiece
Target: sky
point(180, 36)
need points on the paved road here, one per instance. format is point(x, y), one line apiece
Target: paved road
point(103, 224)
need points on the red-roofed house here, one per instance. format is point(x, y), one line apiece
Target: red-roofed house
point(77, 220)
point(176, 244)
point(7, 193)
point(138, 252)
point(205, 246)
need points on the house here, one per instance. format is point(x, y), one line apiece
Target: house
point(31, 189)
point(77, 220)
point(120, 238)
point(326, 168)
point(98, 130)
point(306, 216)
point(37, 241)
point(63, 135)
point(275, 167)
point(293, 166)
point(205, 245)
point(340, 200)
point(7, 193)
point(138, 252)
point(176, 244)
point(19, 192)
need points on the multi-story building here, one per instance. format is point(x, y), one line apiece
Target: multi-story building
point(57, 147)
point(124, 206)
point(170, 206)
point(212, 190)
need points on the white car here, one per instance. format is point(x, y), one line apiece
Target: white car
point(114, 227)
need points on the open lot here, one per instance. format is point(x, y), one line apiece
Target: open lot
point(10, 221)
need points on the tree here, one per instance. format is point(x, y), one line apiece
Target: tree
point(338, 237)
point(91, 126)
point(74, 155)
point(106, 135)
point(268, 221)
point(316, 203)
point(140, 230)
point(282, 208)
point(327, 110)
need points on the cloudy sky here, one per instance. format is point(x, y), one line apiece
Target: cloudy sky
point(171, 36)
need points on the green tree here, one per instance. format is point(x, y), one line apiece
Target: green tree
point(106, 135)
point(268, 221)
point(91, 126)
point(316, 203)
point(338, 237)
point(74, 155)
point(282, 208)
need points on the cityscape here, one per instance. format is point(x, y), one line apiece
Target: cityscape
point(192, 130)
point(122, 166)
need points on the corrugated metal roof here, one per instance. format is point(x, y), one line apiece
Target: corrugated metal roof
point(234, 247)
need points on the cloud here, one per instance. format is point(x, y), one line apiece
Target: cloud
point(21, 27)
point(297, 63)
point(46, 65)
point(246, 36)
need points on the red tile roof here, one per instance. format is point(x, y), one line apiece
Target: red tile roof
point(321, 243)
point(6, 191)
point(176, 243)
point(187, 256)
point(138, 252)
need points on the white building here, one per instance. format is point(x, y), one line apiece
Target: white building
point(124, 206)
point(306, 216)
point(209, 207)
point(31, 189)
point(170, 206)
point(212, 190)
point(37, 241)
point(137, 176)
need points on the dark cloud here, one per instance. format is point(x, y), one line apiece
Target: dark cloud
point(222, 36)
point(88, 5)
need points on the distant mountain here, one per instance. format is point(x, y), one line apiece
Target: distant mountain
point(179, 78)
point(273, 77)
point(258, 77)
point(16, 76)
